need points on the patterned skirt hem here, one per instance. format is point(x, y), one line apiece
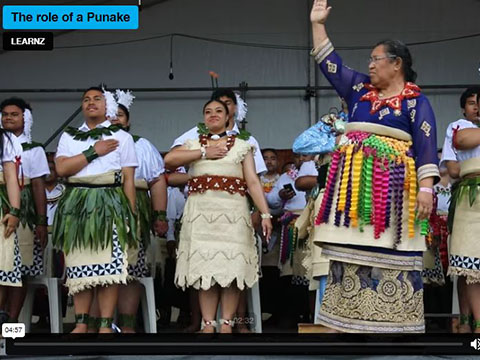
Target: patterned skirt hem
point(370, 258)
point(365, 326)
point(77, 285)
point(202, 282)
point(473, 276)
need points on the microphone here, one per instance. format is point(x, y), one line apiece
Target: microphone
point(170, 76)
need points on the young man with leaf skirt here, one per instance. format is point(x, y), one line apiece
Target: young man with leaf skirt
point(32, 169)
point(95, 221)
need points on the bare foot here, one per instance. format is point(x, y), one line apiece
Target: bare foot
point(226, 329)
point(105, 330)
point(208, 329)
point(465, 329)
point(80, 329)
point(455, 324)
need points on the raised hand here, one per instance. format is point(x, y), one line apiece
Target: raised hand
point(320, 11)
point(104, 147)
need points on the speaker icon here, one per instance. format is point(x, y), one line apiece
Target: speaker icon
point(475, 344)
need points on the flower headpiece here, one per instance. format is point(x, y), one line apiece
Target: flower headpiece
point(27, 124)
point(124, 98)
point(242, 108)
point(111, 104)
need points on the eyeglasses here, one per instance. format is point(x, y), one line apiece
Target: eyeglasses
point(376, 59)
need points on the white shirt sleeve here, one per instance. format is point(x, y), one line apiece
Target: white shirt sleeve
point(128, 156)
point(273, 198)
point(62, 148)
point(11, 148)
point(153, 162)
point(308, 168)
point(38, 164)
point(448, 152)
point(191, 134)
point(257, 156)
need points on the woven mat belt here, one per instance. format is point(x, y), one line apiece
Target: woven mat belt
point(233, 185)
point(105, 180)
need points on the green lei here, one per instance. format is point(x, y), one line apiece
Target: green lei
point(203, 130)
point(28, 146)
point(136, 138)
point(95, 134)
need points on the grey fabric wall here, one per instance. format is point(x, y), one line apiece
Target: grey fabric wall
point(275, 117)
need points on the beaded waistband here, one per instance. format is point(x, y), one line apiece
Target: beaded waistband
point(233, 185)
point(375, 175)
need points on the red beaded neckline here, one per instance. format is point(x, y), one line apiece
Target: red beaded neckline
point(410, 91)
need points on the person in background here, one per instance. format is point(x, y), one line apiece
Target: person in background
point(151, 204)
point(449, 160)
point(285, 197)
point(464, 216)
point(32, 232)
point(270, 287)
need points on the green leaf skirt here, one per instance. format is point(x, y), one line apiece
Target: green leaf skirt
point(27, 208)
point(86, 217)
point(465, 187)
point(144, 211)
point(4, 202)
point(28, 212)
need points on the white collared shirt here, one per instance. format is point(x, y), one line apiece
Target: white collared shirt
point(34, 161)
point(449, 153)
point(298, 202)
point(307, 168)
point(150, 162)
point(193, 134)
point(11, 149)
point(123, 156)
point(56, 193)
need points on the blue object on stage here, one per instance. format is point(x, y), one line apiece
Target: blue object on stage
point(318, 139)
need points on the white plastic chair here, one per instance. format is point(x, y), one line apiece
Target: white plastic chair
point(147, 300)
point(53, 290)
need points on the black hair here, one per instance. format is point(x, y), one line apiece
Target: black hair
point(398, 49)
point(271, 150)
point(469, 92)
point(215, 100)
point(217, 94)
point(284, 166)
point(22, 104)
point(125, 110)
point(97, 88)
